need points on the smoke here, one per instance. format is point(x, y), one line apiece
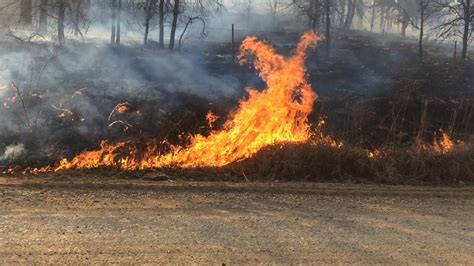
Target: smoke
point(13, 152)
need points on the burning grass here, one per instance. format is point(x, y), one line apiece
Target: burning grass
point(317, 162)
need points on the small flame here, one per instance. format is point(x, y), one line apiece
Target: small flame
point(443, 146)
point(122, 108)
point(63, 112)
point(374, 154)
point(211, 119)
point(9, 101)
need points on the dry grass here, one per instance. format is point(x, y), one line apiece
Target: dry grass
point(403, 165)
point(400, 165)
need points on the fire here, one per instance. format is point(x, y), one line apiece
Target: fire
point(444, 145)
point(211, 119)
point(277, 114)
point(374, 154)
point(122, 108)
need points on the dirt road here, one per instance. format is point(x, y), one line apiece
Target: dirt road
point(96, 220)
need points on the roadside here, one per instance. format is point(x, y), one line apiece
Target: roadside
point(107, 220)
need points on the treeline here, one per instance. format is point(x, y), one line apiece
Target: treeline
point(439, 19)
point(444, 19)
point(75, 14)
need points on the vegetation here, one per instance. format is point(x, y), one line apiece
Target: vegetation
point(387, 75)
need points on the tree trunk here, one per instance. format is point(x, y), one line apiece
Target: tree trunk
point(467, 22)
point(162, 24)
point(147, 30)
point(43, 20)
point(382, 18)
point(26, 12)
point(174, 24)
point(405, 23)
point(372, 20)
point(328, 27)
point(77, 18)
point(422, 29)
point(316, 16)
point(119, 18)
point(180, 42)
point(350, 15)
point(310, 14)
point(113, 29)
point(61, 16)
point(342, 14)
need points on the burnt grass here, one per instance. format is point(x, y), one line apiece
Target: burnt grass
point(374, 94)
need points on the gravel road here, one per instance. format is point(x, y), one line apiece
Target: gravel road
point(104, 220)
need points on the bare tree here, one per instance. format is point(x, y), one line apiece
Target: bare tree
point(76, 8)
point(198, 10)
point(113, 28)
point(26, 12)
point(311, 9)
point(190, 21)
point(161, 14)
point(43, 20)
point(119, 22)
point(457, 19)
point(351, 7)
point(425, 10)
point(327, 5)
point(174, 24)
point(274, 6)
point(405, 14)
point(61, 20)
point(372, 18)
point(150, 10)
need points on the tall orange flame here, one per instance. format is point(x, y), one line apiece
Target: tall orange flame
point(275, 115)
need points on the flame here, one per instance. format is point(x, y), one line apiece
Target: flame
point(9, 101)
point(374, 154)
point(211, 119)
point(122, 108)
point(277, 114)
point(444, 145)
point(63, 112)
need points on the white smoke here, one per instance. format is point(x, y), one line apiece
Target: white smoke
point(13, 151)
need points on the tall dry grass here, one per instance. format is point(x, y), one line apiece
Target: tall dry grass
point(392, 165)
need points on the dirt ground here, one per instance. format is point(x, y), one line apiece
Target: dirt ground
point(104, 220)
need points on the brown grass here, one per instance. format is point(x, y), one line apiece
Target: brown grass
point(401, 165)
